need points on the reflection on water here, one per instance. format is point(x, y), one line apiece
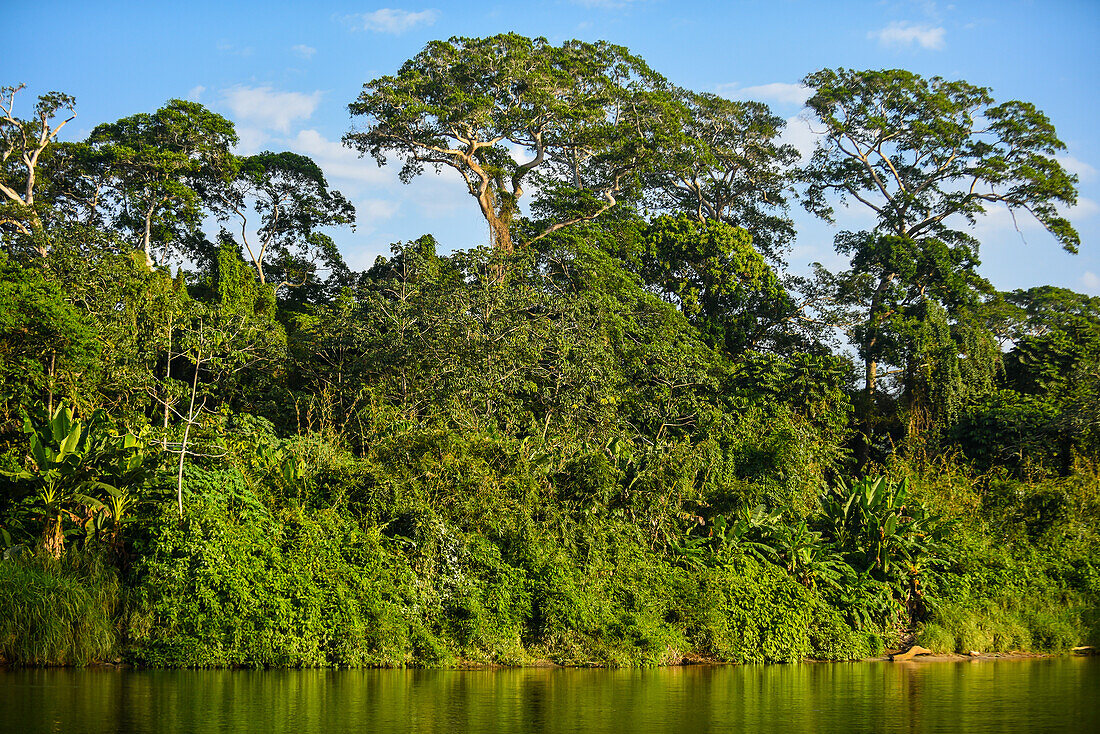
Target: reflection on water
point(972, 696)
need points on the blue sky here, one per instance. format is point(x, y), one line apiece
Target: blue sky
point(284, 73)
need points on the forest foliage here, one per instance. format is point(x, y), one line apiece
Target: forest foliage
point(619, 433)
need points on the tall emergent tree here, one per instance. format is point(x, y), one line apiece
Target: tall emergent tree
point(161, 166)
point(22, 143)
point(926, 157)
point(726, 164)
point(292, 201)
point(582, 117)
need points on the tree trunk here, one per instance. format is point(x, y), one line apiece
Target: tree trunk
point(186, 434)
point(167, 390)
point(53, 540)
point(498, 226)
point(53, 362)
point(147, 237)
point(38, 236)
point(870, 363)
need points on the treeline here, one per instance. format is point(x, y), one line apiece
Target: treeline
point(618, 433)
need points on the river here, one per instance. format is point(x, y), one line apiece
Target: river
point(1047, 694)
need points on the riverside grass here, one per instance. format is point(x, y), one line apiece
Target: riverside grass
point(58, 612)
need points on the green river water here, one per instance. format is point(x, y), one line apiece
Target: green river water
point(1051, 694)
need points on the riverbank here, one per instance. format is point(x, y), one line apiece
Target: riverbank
point(910, 654)
point(293, 587)
point(889, 656)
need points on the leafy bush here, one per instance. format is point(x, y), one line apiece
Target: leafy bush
point(250, 589)
point(751, 612)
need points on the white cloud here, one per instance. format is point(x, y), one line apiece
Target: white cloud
point(904, 34)
point(268, 108)
point(1084, 171)
point(778, 92)
point(391, 20)
point(386, 208)
point(250, 140)
point(519, 153)
point(195, 92)
point(1090, 281)
point(1083, 209)
point(340, 162)
point(304, 51)
point(373, 210)
point(799, 134)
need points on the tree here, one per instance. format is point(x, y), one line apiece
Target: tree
point(1056, 359)
point(44, 339)
point(289, 194)
point(726, 164)
point(161, 166)
point(583, 116)
point(1045, 309)
point(220, 340)
point(721, 284)
point(925, 156)
point(22, 143)
point(1046, 410)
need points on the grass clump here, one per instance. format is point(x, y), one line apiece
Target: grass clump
point(57, 612)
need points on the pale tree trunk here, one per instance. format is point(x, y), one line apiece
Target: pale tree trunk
point(28, 153)
point(53, 363)
point(498, 226)
point(38, 230)
point(147, 236)
point(167, 377)
point(870, 363)
point(53, 540)
point(186, 434)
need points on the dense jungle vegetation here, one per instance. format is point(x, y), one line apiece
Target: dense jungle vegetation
point(620, 433)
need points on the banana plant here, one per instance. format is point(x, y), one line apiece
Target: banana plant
point(882, 532)
point(806, 556)
point(748, 530)
point(119, 502)
point(66, 464)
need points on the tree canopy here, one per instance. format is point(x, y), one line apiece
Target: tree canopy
point(919, 151)
point(725, 163)
point(582, 117)
point(160, 166)
point(22, 143)
point(292, 202)
point(925, 157)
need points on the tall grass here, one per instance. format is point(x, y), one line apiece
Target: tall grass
point(996, 626)
point(57, 612)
